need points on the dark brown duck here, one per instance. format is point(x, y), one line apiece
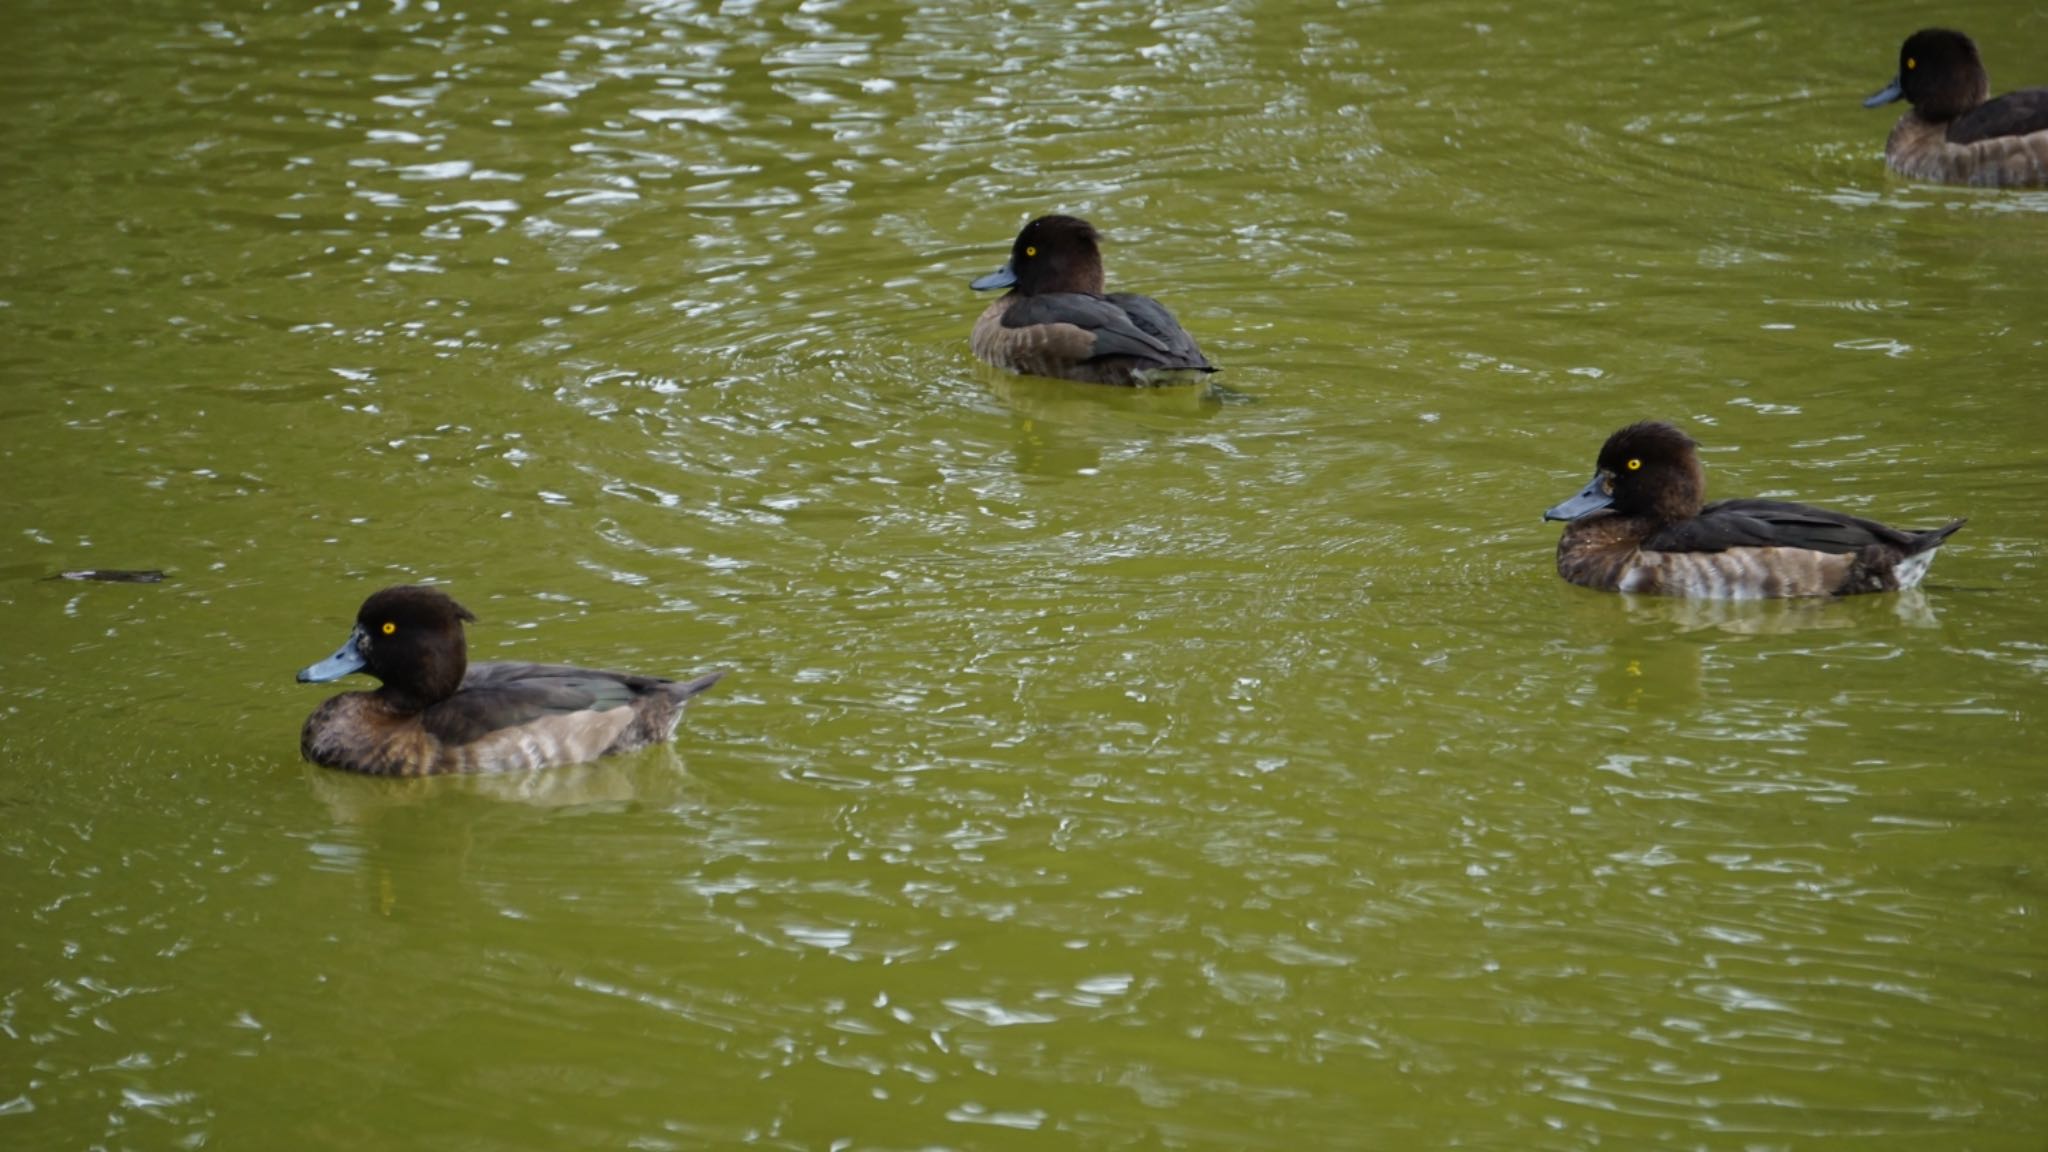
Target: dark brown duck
point(1954, 133)
point(1057, 321)
point(1640, 526)
point(437, 713)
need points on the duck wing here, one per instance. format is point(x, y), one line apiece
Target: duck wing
point(1729, 524)
point(1151, 317)
point(2013, 114)
point(495, 697)
point(1112, 328)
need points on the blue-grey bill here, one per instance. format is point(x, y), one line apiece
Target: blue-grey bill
point(1591, 498)
point(346, 659)
point(1890, 92)
point(1000, 278)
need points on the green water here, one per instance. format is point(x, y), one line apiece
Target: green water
point(1097, 769)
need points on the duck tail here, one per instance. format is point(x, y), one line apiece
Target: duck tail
point(681, 690)
point(1931, 539)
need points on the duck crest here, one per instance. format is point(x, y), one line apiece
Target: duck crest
point(412, 640)
point(1941, 75)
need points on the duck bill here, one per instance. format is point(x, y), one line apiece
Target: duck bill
point(1890, 92)
point(1592, 498)
point(346, 659)
point(1003, 277)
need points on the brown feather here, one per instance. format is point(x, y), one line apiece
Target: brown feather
point(1058, 350)
point(1920, 149)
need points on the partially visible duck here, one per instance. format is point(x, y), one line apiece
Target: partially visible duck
point(437, 713)
point(1057, 321)
point(1954, 133)
point(1640, 526)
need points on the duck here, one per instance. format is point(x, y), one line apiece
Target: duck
point(436, 713)
point(1056, 320)
point(1640, 526)
point(1954, 133)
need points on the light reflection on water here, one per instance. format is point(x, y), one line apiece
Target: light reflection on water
point(1189, 768)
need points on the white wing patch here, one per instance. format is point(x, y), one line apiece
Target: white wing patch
point(1913, 569)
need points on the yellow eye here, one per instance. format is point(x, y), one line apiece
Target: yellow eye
point(1031, 251)
point(1635, 465)
point(1911, 63)
point(389, 627)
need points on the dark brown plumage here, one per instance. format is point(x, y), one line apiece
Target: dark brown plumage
point(1641, 525)
point(437, 713)
point(1954, 133)
point(1057, 321)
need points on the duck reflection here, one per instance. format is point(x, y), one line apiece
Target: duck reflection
point(411, 838)
point(1654, 652)
point(1783, 617)
point(1062, 428)
point(656, 778)
point(1652, 673)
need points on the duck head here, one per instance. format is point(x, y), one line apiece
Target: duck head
point(410, 637)
point(1646, 469)
point(1940, 73)
point(1052, 254)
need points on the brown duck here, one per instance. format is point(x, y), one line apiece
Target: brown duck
point(1641, 525)
point(1954, 133)
point(1057, 321)
point(438, 713)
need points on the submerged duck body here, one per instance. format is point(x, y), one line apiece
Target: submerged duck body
point(1954, 133)
point(437, 713)
point(1056, 320)
point(1640, 526)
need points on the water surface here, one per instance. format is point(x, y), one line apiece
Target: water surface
point(1097, 768)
